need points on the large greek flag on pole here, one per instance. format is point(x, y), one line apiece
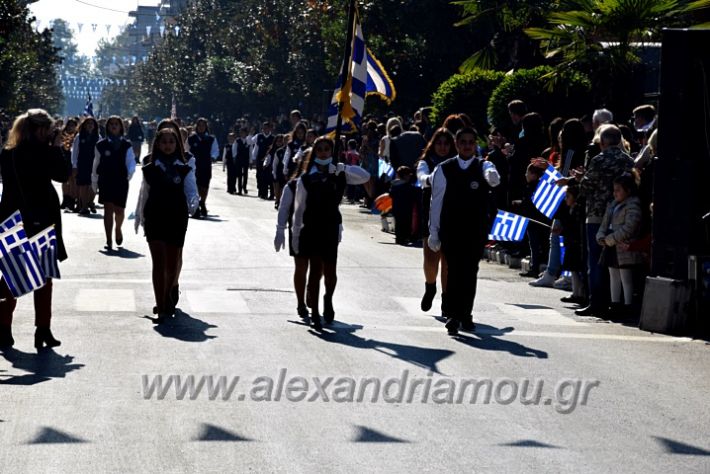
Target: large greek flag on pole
point(19, 264)
point(367, 77)
point(45, 246)
point(508, 227)
point(548, 196)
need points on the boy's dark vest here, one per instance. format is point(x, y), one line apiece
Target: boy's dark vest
point(113, 161)
point(242, 157)
point(279, 157)
point(264, 143)
point(465, 213)
point(325, 192)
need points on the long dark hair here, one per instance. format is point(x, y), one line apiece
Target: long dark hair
point(441, 132)
point(120, 121)
point(82, 126)
point(308, 160)
point(165, 123)
point(155, 150)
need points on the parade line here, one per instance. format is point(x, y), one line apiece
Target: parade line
point(567, 395)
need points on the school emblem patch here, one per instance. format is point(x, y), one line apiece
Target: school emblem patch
point(474, 185)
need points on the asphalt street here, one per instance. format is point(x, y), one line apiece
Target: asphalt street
point(92, 405)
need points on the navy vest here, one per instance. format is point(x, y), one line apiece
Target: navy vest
point(113, 161)
point(264, 143)
point(322, 202)
point(201, 148)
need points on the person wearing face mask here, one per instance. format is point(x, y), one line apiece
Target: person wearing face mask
point(317, 223)
point(462, 212)
point(205, 149)
point(29, 163)
point(168, 196)
point(114, 165)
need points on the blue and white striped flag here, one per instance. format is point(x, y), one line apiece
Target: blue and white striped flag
point(508, 227)
point(19, 264)
point(548, 196)
point(45, 245)
point(385, 169)
point(367, 77)
point(14, 220)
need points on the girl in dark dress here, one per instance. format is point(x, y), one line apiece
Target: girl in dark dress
point(168, 196)
point(29, 164)
point(441, 147)
point(82, 160)
point(114, 165)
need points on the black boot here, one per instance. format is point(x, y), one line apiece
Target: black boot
point(444, 306)
point(328, 312)
point(428, 298)
point(175, 295)
point(6, 339)
point(315, 321)
point(43, 336)
point(302, 311)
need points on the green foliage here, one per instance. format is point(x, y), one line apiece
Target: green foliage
point(467, 93)
point(565, 95)
point(27, 62)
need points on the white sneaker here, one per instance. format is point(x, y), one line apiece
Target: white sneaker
point(563, 283)
point(546, 280)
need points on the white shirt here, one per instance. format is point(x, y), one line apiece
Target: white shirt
point(438, 190)
point(284, 208)
point(255, 149)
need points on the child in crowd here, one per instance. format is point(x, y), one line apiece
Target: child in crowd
point(620, 226)
point(538, 235)
point(571, 217)
point(405, 198)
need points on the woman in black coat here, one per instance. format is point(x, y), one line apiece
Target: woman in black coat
point(29, 164)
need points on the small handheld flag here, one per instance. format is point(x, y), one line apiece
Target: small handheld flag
point(508, 227)
point(45, 245)
point(19, 264)
point(385, 169)
point(14, 220)
point(548, 196)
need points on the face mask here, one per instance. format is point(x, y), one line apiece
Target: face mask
point(325, 162)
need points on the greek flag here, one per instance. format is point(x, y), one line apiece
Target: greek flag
point(19, 264)
point(45, 246)
point(548, 196)
point(508, 227)
point(386, 169)
point(367, 77)
point(14, 220)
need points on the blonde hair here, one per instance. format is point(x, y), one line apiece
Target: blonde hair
point(25, 126)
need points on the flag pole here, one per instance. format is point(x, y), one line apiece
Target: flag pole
point(345, 74)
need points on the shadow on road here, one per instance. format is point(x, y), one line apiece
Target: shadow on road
point(183, 327)
point(341, 333)
point(42, 366)
point(486, 339)
point(121, 253)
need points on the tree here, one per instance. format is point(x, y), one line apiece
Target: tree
point(603, 39)
point(28, 59)
point(466, 93)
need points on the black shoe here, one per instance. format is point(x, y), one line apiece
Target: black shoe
point(444, 306)
point(84, 212)
point(108, 246)
point(119, 239)
point(302, 311)
point(588, 311)
point(6, 339)
point(574, 299)
point(468, 326)
point(92, 208)
point(328, 312)
point(428, 298)
point(203, 211)
point(44, 337)
point(315, 321)
point(452, 326)
point(529, 274)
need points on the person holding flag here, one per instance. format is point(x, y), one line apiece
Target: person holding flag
point(460, 219)
point(28, 165)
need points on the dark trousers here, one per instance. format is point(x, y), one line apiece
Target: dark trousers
point(242, 173)
point(261, 188)
point(539, 238)
point(462, 260)
point(231, 177)
point(597, 274)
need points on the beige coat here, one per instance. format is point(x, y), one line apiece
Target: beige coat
point(625, 223)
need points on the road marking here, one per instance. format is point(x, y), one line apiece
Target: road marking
point(536, 314)
point(102, 300)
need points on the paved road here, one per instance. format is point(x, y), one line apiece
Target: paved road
point(88, 406)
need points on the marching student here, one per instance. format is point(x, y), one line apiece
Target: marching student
point(28, 165)
point(167, 198)
point(205, 149)
point(267, 167)
point(113, 168)
point(278, 166)
point(69, 191)
point(241, 153)
point(293, 147)
point(136, 136)
point(229, 163)
point(441, 147)
point(462, 212)
point(262, 143)
point(317, 223)
point(82, 160)
point(285, 220)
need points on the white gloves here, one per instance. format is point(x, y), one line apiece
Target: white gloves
point(434, 243)
point(280, 239)
point(339, 168)
point(490, 173)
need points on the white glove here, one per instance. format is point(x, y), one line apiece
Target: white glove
point(340, 233)
point(490, 173)
point(331, 168)
point(280, 239)
point(339, 168)
point(434, 243)
point(95, 187)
